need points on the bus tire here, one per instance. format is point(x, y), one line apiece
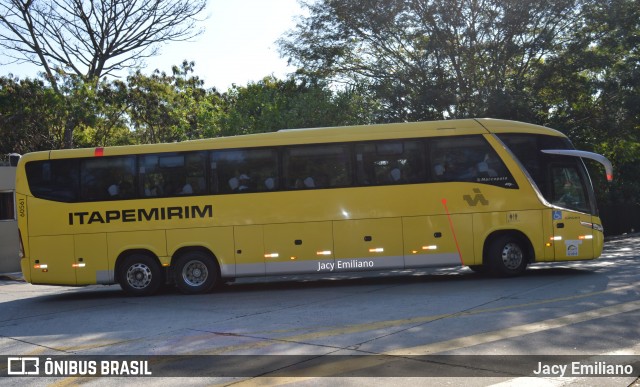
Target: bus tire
point(507, 256)
point(195, 272)
point(140, 275)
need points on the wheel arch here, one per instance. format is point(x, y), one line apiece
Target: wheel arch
point(195, 248)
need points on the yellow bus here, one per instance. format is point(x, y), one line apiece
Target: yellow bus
point(493, 195)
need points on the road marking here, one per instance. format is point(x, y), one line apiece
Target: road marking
point(327, 369)
point(341, 367)
point(415, 321)
point(507, 333)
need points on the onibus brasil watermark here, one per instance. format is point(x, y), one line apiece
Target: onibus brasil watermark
point(31, 366)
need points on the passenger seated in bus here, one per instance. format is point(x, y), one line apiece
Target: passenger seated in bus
point(150, 190)
point(113, 190)
point(302, 183)
point(234, 183)
point(122, 189)
point(187, 189)
point(270, 183)
point(153, 185)
point(456, 167)
point(395, 176)
point(240, 183)
point(244, 183)
point(484, 168)
point(309, 182)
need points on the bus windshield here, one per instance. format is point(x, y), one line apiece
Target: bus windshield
point(562, 179)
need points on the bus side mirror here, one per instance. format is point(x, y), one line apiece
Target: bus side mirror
point(587, 155)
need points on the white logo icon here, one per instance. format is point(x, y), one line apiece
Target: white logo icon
point(27, 366)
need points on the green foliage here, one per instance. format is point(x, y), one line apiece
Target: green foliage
point(272, 104)
point(432, 59)
point(570, 64)
point(591, 91)
point(31, 116)
point(164, 108)
point(168, 108)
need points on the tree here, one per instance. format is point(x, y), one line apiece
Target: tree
point(91, 38)
point(272, 104)
point(432, 59)
point(30, 116)
point(591, 90)
point(106, 120)
point(176, 107)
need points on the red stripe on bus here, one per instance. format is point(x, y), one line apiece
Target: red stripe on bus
point(453, 231)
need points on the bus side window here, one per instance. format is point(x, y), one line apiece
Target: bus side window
point(244, 170)
point(194, 172)
point(317, 166)
point(107, 178)
point(390, 162)
point(54, 179)
point(468, 159)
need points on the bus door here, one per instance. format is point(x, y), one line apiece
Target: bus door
point(299, 248)
point(368, 244)
point(249, 250)
point(430, 240)
point(91, 264)
point(572, 220)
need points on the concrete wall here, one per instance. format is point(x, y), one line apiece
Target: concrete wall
point(9, 260)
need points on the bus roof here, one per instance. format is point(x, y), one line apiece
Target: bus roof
point(313, 135)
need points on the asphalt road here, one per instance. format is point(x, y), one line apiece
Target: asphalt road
point(588, 311)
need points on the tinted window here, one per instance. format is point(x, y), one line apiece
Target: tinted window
point(317, 166)
point(468, 159)
point(244, 170)
point(54, 180)
point(393, 162)
point(108, 178)
point(527, 148)
point(173, 174)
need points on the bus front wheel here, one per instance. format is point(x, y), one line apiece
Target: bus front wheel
point(507, 256)
point(140, 275)
point(195, 272)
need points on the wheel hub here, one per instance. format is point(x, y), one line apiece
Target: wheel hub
point(139, 276)
point(512, 256)
point(195, 273)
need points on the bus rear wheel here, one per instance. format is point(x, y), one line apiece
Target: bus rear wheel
point(507, 256)
point(140, 275)
point(195, 272)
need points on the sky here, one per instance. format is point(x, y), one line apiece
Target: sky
point(237, 46)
